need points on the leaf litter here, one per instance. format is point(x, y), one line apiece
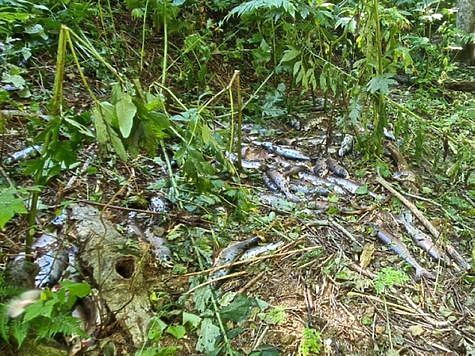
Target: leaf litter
point(330, 287)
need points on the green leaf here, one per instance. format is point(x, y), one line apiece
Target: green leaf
point(290, 54)
point(208, 335)
point(10, 205)
point(100, 126)
point(362, 190)
point(125, 110)
point(157, 326)
point(37, 309)
point(19, 331)
point(118, 145)
point(77, 289)
point(177, 331)
point(192, 319)
point(380, 84)
point(239, 309)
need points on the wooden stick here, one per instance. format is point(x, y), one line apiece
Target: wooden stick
point(410, 206)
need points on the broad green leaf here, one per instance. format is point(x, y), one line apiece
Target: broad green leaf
point(78, 289)
point(157, 326)
point(10, 205)
point(37, 309)
point(177, 331)
point(100, 126)
point(290, 54)
point(380, 84)
point(239, 309)
point(118, 145)
point(192, 319)
point(19, 331)
point(208, 335)
point(125, 110)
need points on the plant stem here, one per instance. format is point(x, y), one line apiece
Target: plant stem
point(142, 49)
point(239, 123)
point(165, 47)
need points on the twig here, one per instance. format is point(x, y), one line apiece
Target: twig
point(344, 231)
point(211, 281)
point(228, 265)
point(410, 206)
point(251, 283)
point(7, 178)
point(418, 197)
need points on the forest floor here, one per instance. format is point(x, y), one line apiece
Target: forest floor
point(330, 271)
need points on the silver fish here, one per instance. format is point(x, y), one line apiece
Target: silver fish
point(348, 185)
point(321, 168)
point(420, 238)
point(24, 154)
point(457, 257)
point(159, 248)
point(337, 169)
point(346, 145)
point(269, 183)
point(307, 190)
point(285, 152)
point(51, 259)
point(230, 254)
point(400, 249)
point(320, 182)
point(259, 250)
point(281, 183)
point(158, 205)
point(247, 164)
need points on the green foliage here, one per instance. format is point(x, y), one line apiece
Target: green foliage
point(389, 277)
point(45, 318)
point(12, 204)
point(311, 342)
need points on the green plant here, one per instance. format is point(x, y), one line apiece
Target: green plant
point(311, 342)
point(12, 204)
point(45, 318)
point(389, 277)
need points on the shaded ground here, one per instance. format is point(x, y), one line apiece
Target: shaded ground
point(318, 278)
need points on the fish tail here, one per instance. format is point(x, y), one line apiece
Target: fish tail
point(423, 273)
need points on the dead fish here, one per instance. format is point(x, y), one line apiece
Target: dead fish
point(420, 238)
point(51, 259)
point(346, 145)
point(453, 253)
point(321, 168)
point(260, 250)
point(276, 201)
point(28, 152)
point(348, 185)
point(306, 190)
point(158, 205)
point(230, 254)
point(245, 163)
point(320, 182)
point(281, 183)
point(337, 169)
point(269, 183)
point(292, 170)
point(159, 248)
point(284, 152)
point(400, 249)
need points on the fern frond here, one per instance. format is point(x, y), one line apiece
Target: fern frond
point(253, 6)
